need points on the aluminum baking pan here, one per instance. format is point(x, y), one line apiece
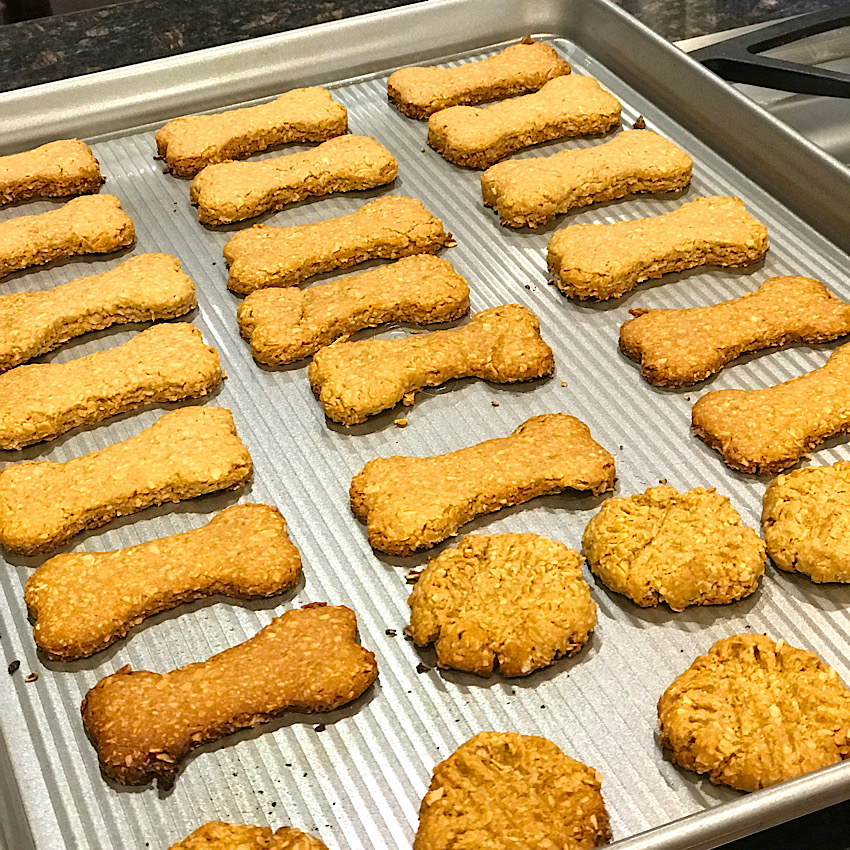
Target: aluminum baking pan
point(358, 783)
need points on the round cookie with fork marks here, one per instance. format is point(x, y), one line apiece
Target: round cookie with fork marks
point(502, 790)
point(754, 712)
point(680, 548)
point(806, 521)
point(216, 835)
point(516, 599)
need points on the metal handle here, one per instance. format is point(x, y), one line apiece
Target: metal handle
point(738, 59)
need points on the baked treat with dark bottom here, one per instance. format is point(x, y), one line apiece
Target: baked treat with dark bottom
point(305, 660)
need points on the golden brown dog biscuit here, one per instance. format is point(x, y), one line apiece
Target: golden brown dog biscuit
point(521, 68)
point(185, 453)
point(518, 599)
point(568, 106)
point(233, 191)
point(766, 431)
point(143, 288)
point(530, 192)
point(84, 601)
point(356, 380)
point(54, 170)
point(411, 503)
point(754, 712)
point(607, 260)
point(285, 325)
point(91, 224)
point(216, 835)
point(305, 660)
point(806, 521)
point(387, 228)
point(680, 548)
point(164, 363)
point(503, 790)
point(677, 348)
point(193, 142)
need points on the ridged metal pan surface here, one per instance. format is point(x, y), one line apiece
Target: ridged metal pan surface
point(358, 783)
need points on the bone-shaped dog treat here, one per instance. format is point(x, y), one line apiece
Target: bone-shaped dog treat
point(387, 228)
point(54, 170)
point(232, 191)
point(765, 431)
point(285, 325)
point(145, 287)
point(680, 347)
point(410, 503)
point(185, 453)
point(355, 380)
point(84, 601)
point(306, 660)
point(91, 224)
point(607, 260)
point(518, 69)
point(216, 835)
point(476, 137)
point(192, 142)
point(530, 192)
point(164, 363)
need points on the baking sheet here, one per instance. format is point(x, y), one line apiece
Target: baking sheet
point(358, 783)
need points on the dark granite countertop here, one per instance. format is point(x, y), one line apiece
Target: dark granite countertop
point(68, 45)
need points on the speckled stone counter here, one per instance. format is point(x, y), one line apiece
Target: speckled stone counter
point(68, 45)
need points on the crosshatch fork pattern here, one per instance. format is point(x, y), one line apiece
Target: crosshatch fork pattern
point(358, 783)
